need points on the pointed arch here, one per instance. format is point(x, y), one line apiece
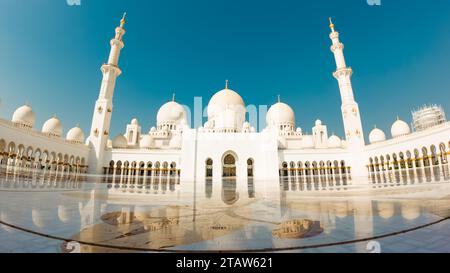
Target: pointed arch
point(229, 162)
point(208, 168)
point(443, 153)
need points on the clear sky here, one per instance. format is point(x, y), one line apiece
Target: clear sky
point(51, 53)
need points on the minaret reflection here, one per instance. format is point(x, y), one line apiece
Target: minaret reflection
point(363, 221)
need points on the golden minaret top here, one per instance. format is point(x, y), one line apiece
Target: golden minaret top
point(331, 24)
point(122, 21)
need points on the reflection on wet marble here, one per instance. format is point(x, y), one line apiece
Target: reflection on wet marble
point(296, 229)
point(231, 215)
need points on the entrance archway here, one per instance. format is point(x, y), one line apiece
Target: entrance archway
point(229, 165)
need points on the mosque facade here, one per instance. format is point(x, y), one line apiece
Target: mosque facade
point(226, 146)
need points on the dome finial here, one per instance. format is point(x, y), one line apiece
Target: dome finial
point(331, 24)
point(279, 99)
point(173, 96)
point(122, 21)
point(226, 84)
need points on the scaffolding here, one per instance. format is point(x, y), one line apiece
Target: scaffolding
point(428, 116)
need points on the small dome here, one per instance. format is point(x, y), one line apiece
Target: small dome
point(134, 121)
point(75, 135)
point(246, 127)
point(24, 116)
point(377, 135)
point(119, 142)
point(152, 130)
point(171, 112)
point(146, 142)
point(52, 127)
point(224, 99)
point(400, 128)
point(308, 141)
point(318, 122)
point(334, 142)
point(299, 130)
point(280, 113)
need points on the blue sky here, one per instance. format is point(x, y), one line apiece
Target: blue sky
point(51, 53)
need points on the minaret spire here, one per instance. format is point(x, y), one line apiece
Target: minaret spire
point(331, 24)
point(350, 109)
point(122, 21)
point(101, 119)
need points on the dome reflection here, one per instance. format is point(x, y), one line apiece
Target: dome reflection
point(296, 229)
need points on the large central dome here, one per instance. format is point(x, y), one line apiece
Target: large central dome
point(224, 99)
point(280, 114)
point(226, 111)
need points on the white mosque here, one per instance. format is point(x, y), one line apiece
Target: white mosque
point(227, 145)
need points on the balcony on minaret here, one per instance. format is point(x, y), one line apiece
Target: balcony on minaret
point(343, 72)
point(111, 67)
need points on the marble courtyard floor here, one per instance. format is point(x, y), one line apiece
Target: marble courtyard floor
point(392, 213)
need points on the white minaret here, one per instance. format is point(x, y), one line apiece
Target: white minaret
point(103, 107)
point(350, 110)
